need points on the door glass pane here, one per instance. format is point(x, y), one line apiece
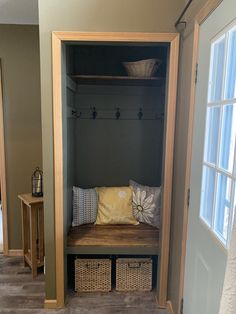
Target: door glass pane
point(211, 134)
point(207, 193)
point(230, 82)
point(228, 134)
point(222, 205)
point(216, 71)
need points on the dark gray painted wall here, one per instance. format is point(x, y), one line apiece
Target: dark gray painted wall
point(110, 152)
point(105, 152)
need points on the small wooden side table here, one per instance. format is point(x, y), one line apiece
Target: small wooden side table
point(32, 231)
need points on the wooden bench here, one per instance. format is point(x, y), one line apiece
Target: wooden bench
point(113, 239)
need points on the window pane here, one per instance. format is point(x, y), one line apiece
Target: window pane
point(207, 194)
point(211, 134)
point(230, 83)
point(228, 134)
point(222, 205)
point(216, 71)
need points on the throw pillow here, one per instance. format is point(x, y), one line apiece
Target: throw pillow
point(85, 204)
point(146, 203)
point(115, 206)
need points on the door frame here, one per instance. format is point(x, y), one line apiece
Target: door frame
point(3, 170)
point(200, 17)
point(59, 37)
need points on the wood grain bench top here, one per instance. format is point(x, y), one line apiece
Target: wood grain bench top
point(141, 235)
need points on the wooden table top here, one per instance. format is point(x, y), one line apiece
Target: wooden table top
point(29, 200)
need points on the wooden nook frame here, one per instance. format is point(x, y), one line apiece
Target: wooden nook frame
point(60, 37)
point(3, 171)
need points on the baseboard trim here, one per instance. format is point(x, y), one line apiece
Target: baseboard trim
point(15, 252)
point(50, 304)
point(169, 307)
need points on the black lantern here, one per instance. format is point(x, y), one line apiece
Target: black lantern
point(37, 183)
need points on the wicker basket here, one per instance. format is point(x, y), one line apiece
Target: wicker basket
point(142, 68)
point(134, 274)
point(92, 275)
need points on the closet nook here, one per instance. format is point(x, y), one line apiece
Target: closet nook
point(111, 127)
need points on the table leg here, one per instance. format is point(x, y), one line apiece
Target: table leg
point(25, 231)
point(33, 240)
point(41, 234)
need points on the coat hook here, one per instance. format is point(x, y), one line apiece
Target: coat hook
point(75, 114)
point(94, 113)
point(140, 114)
point(117, 113)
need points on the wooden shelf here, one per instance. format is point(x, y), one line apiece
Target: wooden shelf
point(117, 80)
point(113, 239)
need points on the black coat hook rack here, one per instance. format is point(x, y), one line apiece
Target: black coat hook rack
point(94, 114)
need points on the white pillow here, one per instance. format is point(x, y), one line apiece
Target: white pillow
point(146, 203)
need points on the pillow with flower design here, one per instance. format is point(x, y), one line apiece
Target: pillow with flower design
point(146, 203)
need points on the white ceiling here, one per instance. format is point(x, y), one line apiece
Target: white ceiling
point(19, 11)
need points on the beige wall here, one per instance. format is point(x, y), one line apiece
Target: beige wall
point(179, 200)
point(19, 53)
point(90, 15)
point(180, 157)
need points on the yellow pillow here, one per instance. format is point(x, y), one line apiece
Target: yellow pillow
point(115, 206)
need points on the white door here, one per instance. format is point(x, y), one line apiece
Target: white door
point(213, 173)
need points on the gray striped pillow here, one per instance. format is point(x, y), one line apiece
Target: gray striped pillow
point(85, 206)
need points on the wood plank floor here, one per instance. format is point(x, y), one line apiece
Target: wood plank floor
point(20, 294)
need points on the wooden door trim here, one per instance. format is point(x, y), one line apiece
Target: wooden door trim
point(57, 39)
point(115, 36)
point(3, 171)
point(58, 168)
point(168, 169)
point(200, 17)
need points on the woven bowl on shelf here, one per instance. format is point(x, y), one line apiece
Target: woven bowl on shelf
point(142, 68)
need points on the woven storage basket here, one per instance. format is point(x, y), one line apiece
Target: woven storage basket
point(134, 274)
point(92, 275)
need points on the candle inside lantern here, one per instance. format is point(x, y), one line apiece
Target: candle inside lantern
point(37, 183)
point(38, 187)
